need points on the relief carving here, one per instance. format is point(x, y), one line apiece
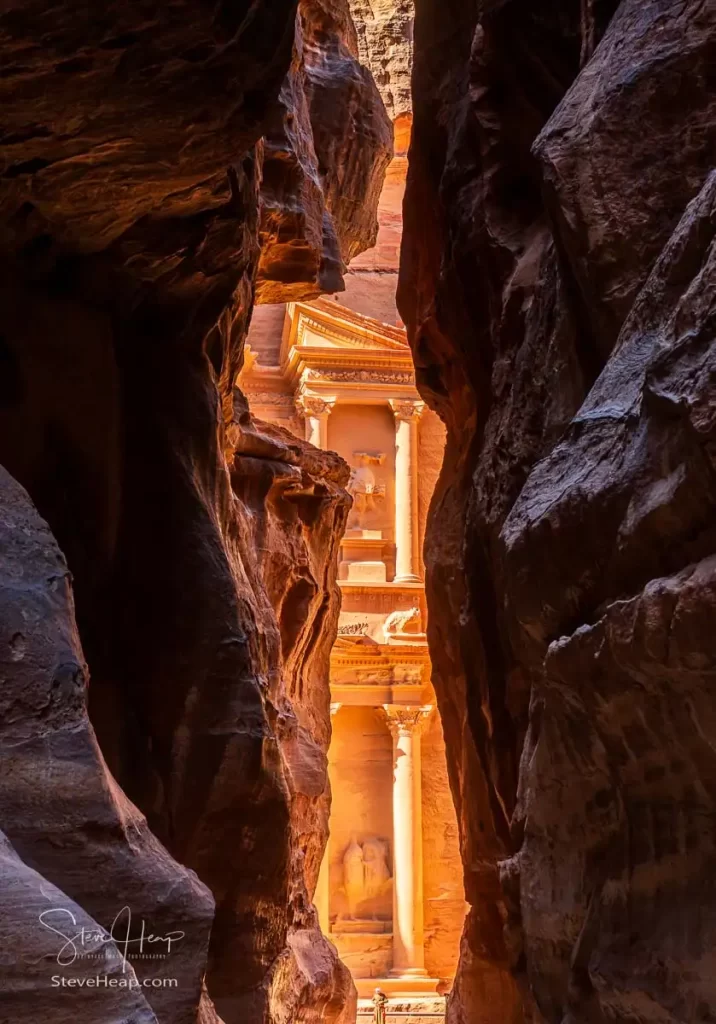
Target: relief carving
point(366, 874)
point(403, 622)
point(367, 492)
point(354, 629)
point(363, 376)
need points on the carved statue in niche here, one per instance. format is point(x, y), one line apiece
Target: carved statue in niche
point(366, 491)
point(353, 876)
point(375, 863)
point(365, 872)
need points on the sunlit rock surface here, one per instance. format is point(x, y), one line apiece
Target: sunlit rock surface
point(326, 151)
point(558, 288)
point(385, 36)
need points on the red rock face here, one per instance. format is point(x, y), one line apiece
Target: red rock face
point(385, 35)
point(296, 508)
point(557, 283)
point(326, 153)
point(129, 227)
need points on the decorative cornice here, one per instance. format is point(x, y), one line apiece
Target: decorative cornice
point(268, 398)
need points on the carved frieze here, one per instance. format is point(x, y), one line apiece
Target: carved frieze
point(361, 376)
point(268, 398)
point(354, 629)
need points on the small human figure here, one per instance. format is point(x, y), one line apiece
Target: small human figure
point(379, 1002)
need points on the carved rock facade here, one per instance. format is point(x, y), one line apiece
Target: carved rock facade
point(558, 288)
point(129, 231)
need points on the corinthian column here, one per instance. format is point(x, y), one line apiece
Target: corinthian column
point(408, 937)
point(316, 411)
point(407, 545)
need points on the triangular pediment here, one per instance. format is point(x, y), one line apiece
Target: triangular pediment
point(326, 324)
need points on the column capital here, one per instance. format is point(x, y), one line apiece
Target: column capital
point(406, 719)
point(407, 409)
point(314, 405)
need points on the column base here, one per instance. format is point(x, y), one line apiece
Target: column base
point(407, 578)
point(409, 972)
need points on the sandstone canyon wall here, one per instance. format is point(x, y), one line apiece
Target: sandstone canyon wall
point(326, 149)
point(198, 545)
point(385, 41)
point(558, 284)
point(385, 35)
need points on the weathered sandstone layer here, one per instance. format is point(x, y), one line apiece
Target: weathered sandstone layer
point(558, 283)
point(131, 165)
point(296, 508)
point(326, 151)
point(385, 39)
point(65, 816)
point(385, 35)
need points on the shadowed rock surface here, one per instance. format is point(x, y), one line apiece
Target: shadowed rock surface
point(558, 288)
point(66, 818)
point(130, 167)
point(28, 989)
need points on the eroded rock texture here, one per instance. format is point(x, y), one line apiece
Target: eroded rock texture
point(385, 36)
point(65, 816)
point(129, 232)
point(295, 509)
point(326, 151)
point(558, 287)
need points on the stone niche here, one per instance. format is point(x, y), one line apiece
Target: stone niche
point(360, 851)
point(361, 844)
point(365, 436)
